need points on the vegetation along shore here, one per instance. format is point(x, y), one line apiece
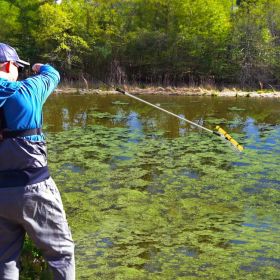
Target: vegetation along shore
point(174, 91)
point(167, 43)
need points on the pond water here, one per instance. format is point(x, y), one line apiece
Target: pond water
point(151, 197)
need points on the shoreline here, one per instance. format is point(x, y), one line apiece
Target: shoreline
point(179, 91)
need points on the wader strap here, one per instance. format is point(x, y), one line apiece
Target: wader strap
point(28, 176)
point(21, 133)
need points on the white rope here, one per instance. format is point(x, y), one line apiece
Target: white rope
point(170, 113)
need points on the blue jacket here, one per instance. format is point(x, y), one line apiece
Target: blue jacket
point(23, 160)
point(23, 101)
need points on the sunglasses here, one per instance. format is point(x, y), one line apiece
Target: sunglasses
point(15, 64)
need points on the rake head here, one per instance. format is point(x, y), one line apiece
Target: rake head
point(225, 135)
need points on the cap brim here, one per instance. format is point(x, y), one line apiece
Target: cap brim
point(22, 63)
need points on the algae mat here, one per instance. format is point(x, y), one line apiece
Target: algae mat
point(143, 204)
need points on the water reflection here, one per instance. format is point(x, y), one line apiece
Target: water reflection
point(236, 115)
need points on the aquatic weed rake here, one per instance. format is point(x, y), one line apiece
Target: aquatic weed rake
point(220, 132)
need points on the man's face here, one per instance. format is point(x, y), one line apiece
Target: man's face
point(13, 71)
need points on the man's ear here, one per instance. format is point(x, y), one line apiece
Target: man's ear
point(7, 66)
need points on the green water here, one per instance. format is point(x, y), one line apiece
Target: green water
point(150, 197)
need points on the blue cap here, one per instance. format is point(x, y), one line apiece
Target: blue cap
point(7, 53)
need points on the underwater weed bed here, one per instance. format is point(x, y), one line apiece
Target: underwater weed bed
point(145, 204)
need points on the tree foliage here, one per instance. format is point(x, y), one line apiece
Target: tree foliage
point(150, 41)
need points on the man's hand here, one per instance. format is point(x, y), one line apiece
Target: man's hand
point(36, 67)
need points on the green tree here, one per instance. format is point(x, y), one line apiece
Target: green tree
point(57, 37)
point(10, 22)
point(252, 47)
point(173, 40)
point(272, 13)
point(203, 36)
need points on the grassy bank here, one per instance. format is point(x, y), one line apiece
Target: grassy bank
point(191, 91)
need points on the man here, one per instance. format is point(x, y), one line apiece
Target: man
point(29, 200)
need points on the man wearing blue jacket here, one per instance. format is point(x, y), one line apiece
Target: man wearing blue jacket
point(29, 199)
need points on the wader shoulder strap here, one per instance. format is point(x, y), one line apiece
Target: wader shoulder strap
point(2, 119)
